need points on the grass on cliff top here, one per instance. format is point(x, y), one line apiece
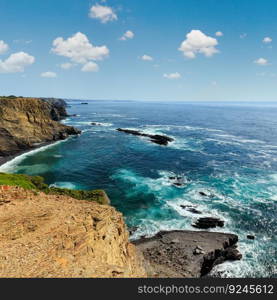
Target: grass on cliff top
point(36, 183)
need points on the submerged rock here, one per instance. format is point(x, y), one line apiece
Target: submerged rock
point(208, 222)
point(154, 138)
point(186, 253)
point(191, 209)
point(251, 237)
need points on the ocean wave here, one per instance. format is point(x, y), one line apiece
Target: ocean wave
point(186, 127)
point(12, 164)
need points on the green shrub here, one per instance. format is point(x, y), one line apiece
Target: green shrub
point(36, 183)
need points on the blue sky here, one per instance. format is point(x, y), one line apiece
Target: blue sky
point(191, 50)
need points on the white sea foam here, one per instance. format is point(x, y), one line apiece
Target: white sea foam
point(12, 164)
point(65, 185)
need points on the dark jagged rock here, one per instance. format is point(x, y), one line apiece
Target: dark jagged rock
point(208, 222)
point(186, 253)
point(251, 237)
point(154, 138)
point(58, 108)
point(132, 229)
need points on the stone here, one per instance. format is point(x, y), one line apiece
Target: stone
point(208, 222)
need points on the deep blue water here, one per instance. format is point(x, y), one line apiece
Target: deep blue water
point(225, 150)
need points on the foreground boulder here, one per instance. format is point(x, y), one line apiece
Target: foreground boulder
point(186, 253)
point(208, 222)
point(58, 236)
point(154, 138)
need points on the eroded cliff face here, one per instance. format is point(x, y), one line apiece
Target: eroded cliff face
point(26, 122)
point(58, 236)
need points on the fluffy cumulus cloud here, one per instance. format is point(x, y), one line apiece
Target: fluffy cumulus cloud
point(261, 61)
point(66, 66)
point(16, 62)
point(3, 47)
point(90, 67)
point(175, 75)
point(198, 42)
point(79, 49)
point(147, 57)
point(219, 33)
point(128, 35)
point(103, 13)
point(48, 74)
point(267, 40)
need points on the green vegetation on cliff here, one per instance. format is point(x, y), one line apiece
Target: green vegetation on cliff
point(36, 183)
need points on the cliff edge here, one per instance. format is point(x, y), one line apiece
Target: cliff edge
point(27, 122)
point(58, 236)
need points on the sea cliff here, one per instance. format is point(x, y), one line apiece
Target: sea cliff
point(27, 122)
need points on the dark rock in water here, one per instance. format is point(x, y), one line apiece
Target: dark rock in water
point(251, 237)
point(96, 124)
point(203, 194)
point(84, 103)
point(172, 178)
point(191, 209)
point(156, 138)
point(178, 184)
point(132, 229)
point(233, 253)
point(186, 253)
point(208, 222)
point(206, 195)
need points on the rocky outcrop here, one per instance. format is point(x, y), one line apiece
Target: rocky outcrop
point(58, 108)
point(208, 222)
point(154, 138)
point(27, 122)
point(58, 236)
point(186, 253)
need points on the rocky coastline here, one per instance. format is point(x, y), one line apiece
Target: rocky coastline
point(29, 123)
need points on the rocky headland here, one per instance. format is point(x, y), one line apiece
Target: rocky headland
point(57, 236)
point(26, 123)
point(186, 253)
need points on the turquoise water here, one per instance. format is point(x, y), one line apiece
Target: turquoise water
point(225, 150)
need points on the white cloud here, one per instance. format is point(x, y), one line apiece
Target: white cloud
point(79, 49)
point(66, 66)
point(267, 40)
point(48, 74)
point(16, 62)
point(243, 35)
point(172, 75)
point(197, 42)
point(219, 33)
point(3, 47)
point(127, 35)
point(90, 67)
point(261, 61)
point(103, 13)
point(147, 57)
